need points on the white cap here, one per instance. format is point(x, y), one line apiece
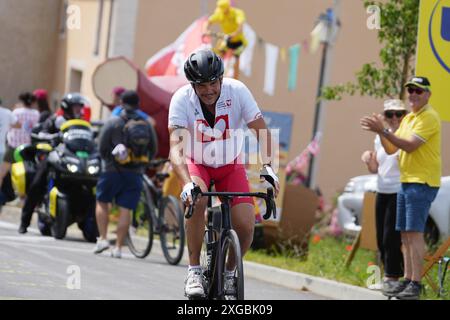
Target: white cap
point(394, 104)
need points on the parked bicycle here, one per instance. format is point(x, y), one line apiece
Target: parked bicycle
point(221, 245)
point(157, 214)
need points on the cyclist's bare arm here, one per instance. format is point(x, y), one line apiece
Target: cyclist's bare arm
point(177, 153)
point(264, 137)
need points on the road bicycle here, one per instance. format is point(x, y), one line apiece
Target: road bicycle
point(157, 214)
point(221, 245)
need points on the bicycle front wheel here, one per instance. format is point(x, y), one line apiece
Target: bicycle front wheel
point(171, 230)
point(231, 269)
point(140, 233)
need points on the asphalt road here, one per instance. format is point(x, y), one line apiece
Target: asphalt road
point(37, 267)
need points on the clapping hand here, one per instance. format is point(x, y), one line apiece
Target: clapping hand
point(373, 123)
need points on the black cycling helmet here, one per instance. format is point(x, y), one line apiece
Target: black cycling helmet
point(69, 100)
point(203, 66)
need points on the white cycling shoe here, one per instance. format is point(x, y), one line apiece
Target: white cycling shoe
point(194, 284)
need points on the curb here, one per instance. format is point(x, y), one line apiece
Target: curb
point(299, 281)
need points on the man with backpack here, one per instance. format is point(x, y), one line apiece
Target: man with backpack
point(126, 145)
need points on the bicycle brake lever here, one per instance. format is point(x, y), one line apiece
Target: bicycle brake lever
point(270, 205)
point(190, 210)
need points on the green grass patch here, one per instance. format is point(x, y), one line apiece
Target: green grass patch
point(326, 259)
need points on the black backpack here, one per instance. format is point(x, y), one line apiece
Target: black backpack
point(137, 136)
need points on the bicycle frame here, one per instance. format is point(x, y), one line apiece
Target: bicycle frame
point(215, 235)
point(214, 272)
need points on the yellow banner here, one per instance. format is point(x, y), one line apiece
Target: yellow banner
point(433, 53)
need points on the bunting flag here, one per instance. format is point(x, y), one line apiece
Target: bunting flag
point(318, 35)
point(314, 146)
point(272, 52)
point(246, 58)
point(294, 53)
point(283, 54)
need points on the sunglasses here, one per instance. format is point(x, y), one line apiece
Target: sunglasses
point(418, 91)
point(391, 114)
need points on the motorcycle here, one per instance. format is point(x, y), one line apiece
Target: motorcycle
point(26, 160)
point(73, 171)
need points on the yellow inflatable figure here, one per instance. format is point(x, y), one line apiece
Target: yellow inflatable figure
point(231, 21)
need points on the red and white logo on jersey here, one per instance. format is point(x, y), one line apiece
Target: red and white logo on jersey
point(204, 133)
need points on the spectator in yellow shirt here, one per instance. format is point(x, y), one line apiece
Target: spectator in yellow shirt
point(419, 141)
point(231, 21)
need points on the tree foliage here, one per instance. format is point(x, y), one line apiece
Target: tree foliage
point(398, 36)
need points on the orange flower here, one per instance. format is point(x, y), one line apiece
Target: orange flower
point(316, 239)
point(349, 248)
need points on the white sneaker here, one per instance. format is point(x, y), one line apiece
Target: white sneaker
point(101, 245)
point(194, 284)
point(230, 285)
point(116, 253)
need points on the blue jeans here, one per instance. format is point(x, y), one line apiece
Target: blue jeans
point(413, 206)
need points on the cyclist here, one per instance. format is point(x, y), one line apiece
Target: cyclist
point(71, 106)
point(231, 21)
point(205, 114)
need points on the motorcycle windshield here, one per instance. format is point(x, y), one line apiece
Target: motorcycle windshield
point(79, 139)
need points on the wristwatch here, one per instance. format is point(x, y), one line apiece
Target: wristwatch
point(386, 131)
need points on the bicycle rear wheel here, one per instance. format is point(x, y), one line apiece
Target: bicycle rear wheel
point(231, 255)
point(172, 230)
point(140, 234)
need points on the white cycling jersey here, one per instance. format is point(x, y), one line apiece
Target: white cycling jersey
point(221, 145)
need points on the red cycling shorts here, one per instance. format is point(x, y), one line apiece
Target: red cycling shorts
point(229, 178)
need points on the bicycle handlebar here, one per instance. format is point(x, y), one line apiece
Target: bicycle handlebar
point(268, 197)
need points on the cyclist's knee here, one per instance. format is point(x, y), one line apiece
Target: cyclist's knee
point(200, 206)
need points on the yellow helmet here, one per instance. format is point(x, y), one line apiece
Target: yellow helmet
point(223, 4)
